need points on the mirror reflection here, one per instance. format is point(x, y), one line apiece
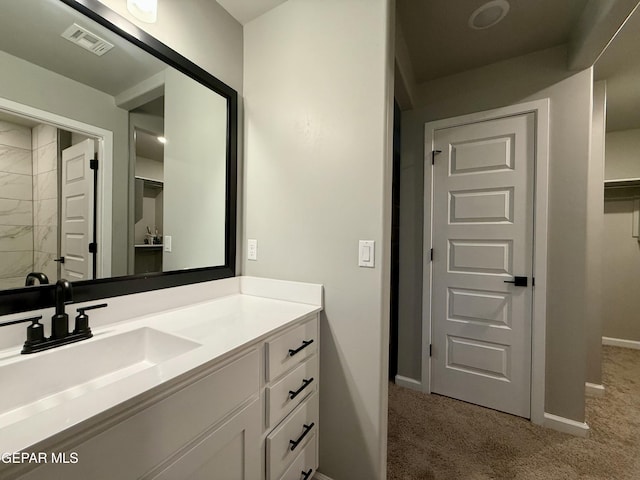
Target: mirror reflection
point(111, 162)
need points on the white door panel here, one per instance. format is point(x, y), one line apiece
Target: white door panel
point(77, 211)
point(482, 236)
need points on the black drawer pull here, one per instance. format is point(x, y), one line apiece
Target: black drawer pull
point(307, 474)
point(305, 344)
point(295, 443)
point(305, 384)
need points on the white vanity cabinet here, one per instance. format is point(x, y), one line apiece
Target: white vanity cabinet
point(292, 403)
point(251, 416)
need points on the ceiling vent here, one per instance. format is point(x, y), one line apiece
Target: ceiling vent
point(87, 40)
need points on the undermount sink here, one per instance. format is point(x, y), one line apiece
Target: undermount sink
point(41, 381)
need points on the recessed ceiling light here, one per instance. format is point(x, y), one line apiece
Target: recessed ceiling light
point(162, 140)
point(489, 14)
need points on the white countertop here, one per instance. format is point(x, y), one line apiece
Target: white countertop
point(221, 326)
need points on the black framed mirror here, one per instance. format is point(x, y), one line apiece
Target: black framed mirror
point(153, 215)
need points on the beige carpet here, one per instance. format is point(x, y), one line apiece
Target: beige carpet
point(434, 437)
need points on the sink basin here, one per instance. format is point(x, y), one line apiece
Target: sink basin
point(41, 381)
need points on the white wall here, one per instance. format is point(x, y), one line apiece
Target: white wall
point(595, 232)
point(318, 103)
point(623, 154)
point(194, 173)
point(539, 75)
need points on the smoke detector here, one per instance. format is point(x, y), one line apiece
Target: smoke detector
point(489, 14)
point(87, 40)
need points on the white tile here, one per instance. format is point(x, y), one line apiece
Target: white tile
point(15, 160)
point(16, 212)
point(46, 134)
point(13, 135)
point(45, 186)
point(16, 238)
point(12, 282)
point(45, 212)
point(43, 262)
point(47, 158)
point(15, 264)
point(45, 238)
point(16, 187)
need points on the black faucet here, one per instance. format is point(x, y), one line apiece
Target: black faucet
point(33, 276)
point(60, 335)
point(60, 321)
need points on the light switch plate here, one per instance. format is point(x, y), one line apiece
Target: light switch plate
point(167, 243)
point(367, 253)
point(252, 249)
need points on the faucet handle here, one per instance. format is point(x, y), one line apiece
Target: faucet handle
point(22, 320)
point(82, 320)
point(81, 310)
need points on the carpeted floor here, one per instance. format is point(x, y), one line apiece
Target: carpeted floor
point(434, 437)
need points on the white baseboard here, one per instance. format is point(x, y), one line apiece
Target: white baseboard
point(566, 425)
point(619, 342)
point(319, 476)
point(407, 382)
point(594, 389)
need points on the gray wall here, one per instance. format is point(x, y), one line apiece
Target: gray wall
point(621, 151)
point(31, 85)
point(595, 232)
point(535, 76)
point(621, 266)
point(318, 100)
point(194, 173)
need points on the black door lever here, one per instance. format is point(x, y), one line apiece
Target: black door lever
point(518, 281)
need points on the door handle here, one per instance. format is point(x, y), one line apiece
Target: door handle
point(518, 281)
point(61, 259)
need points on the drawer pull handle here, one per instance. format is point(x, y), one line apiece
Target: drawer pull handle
point(305, 384)
point(307, 474)
point(295, 443)
point(305, 344)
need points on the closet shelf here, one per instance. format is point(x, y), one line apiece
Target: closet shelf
point(622, 183)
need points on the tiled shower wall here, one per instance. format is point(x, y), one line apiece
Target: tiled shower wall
point(16, 204)
point(45, 200)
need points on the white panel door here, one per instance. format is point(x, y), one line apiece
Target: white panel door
point(483, 237)
point(76, 221)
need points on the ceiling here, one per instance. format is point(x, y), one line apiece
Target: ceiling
point(31, 30)
point(246, 10)
point(619, 65)
point(440, 42)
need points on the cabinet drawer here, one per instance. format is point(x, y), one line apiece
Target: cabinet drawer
point(305, 464)
point(291, 348)
point(291, 437)
point(298, 383)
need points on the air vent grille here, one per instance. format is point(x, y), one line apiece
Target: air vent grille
point(87, 40)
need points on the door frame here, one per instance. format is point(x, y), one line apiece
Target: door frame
point(540, 109)
point(104, 218)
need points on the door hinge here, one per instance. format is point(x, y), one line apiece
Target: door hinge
point(533, 281)
point(93, 247)
point(433, 156)
point(430, 350)
point(431, 254)
point(93, 164)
